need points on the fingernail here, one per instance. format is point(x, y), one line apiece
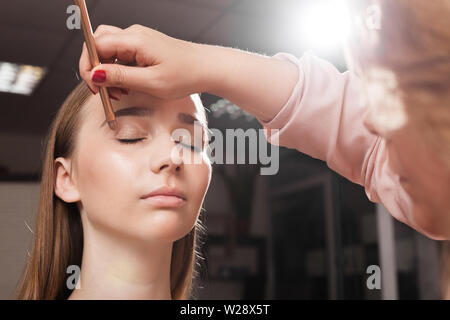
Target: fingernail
point(124, 91)
point(99, 76)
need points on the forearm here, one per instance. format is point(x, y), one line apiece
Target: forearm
point(258, 84)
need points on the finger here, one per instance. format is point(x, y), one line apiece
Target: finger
point(115, 93)
point(106, 29)
point(115, 75)
point(122, 45)
point(85, 65)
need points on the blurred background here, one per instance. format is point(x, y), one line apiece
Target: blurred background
point(304, 233)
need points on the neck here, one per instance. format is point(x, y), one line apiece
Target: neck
point(114, 268)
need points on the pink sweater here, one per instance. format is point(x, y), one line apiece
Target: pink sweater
point(324, 119)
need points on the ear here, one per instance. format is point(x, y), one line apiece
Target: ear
point(65, 188)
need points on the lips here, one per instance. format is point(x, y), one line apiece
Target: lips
point(165, 197)
point(166, 191)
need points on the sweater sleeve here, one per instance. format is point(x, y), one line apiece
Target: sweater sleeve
point(324, 119)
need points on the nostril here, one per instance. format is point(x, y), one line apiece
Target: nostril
point(163, 167)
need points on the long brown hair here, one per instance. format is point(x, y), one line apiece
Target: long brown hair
point(58, 235)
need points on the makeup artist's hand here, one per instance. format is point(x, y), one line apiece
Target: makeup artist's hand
point(162, 66)
point(170, 68)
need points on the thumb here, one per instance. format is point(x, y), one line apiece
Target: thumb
point(116, 75)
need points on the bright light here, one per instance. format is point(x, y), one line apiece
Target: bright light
point(324, 24)
point(19, 79)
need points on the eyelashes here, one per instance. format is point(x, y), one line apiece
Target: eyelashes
point(130, 141)
point(193, 148)
point(134, 141)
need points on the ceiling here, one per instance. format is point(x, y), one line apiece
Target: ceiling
point(35, 32)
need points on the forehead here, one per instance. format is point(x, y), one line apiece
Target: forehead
point(190, 105)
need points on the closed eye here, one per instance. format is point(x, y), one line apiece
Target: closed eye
point(133, 141)
point(193, 148)
point(130, 141)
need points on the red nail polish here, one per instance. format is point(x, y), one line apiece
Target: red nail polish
point(124, 91)
point(114, 97)
point(99, 76)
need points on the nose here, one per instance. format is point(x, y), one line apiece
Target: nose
point(165, 158)
point(166, 165)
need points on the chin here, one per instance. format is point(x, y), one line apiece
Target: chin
point(165, 227)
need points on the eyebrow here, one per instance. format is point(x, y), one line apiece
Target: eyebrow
point(149, 111)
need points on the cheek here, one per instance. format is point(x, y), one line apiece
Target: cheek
point(428, 180)
point(198, 177)
point(406, 155)
point(435, 181)
point(105, 184)
point(203, 173)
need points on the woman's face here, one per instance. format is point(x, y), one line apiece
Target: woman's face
point(420, 172)
point(115, 170)
point(422, 175)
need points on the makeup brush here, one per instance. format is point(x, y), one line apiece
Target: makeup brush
point(95, 61)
